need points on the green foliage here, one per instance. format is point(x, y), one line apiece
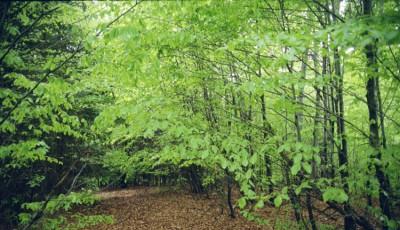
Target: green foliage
point(55, 206)
point(85, 221)
point(42, 123)
point(25, 153)
point(76, 221)
point(269, 94)
point(62, 202)
point(283, 195)
point(335, 194)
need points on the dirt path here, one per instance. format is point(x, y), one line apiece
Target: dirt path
point(152, 208)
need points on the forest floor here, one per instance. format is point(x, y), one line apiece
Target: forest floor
point(161, 208)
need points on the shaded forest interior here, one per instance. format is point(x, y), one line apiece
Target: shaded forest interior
point(266, 107)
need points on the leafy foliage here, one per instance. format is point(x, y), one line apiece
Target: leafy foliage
point(266, 97)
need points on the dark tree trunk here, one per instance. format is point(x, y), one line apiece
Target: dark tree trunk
point(343, 161)
point(373, 109)
point(229, 195)
point(266, 130)
point(310, 211)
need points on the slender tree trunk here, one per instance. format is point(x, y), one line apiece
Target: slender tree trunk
point(229, 194)
point(343, 158)
point(317, 118)
point(373, 109)
point(298, 117)
point(327, 117)
point(310, 211)
point(266, 130)
point(381, 115)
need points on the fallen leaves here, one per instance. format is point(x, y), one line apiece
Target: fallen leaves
point(153, 208)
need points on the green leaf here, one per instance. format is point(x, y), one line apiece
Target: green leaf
point(335, 194)
point(204, 154)
point(295, 168)
point(259, 204)
point(224, 163)
point(249, 173)
point(242, 202)
point(297, 158)
point(317, 159)
point(278, 201)
point(253, 159)
point(307, 167)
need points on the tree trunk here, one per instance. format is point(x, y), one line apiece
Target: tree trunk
point(266, 130)
point(229, 195)
point(343, 160)
point(373, 108)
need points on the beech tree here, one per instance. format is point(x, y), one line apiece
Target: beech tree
point(290, 103)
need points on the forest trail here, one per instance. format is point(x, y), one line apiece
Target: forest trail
point(292, 106)
point(157, 208)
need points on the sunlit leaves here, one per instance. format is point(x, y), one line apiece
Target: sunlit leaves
point(335, 194)
point(282, 196)
point(242, 202)
point(25, 153)
point(64, 202)
point(225, 86)
point(278, 201)
point(13, 59)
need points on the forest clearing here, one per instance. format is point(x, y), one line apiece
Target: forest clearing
point(211, 114)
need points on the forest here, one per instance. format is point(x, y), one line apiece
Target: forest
point(211, 114)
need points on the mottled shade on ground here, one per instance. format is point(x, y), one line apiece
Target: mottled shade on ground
point(165, 208)
point(155, 208)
